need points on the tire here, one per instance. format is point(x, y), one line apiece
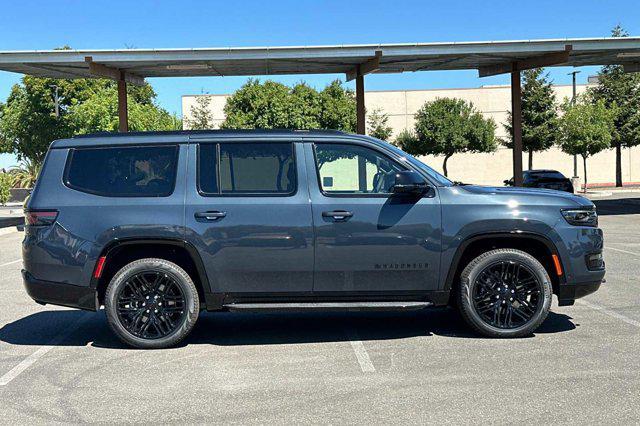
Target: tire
point(496, 303)
point(151, 304)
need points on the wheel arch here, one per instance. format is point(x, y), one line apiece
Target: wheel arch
point(123, 251)
point(539, 246)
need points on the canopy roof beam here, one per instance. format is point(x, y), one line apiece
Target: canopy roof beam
point(367, 67)
point(104, 71)
point(546, 60)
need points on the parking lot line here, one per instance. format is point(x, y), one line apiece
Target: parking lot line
point(609, 312)
point(31, 359)
point(363, 357)
point(361, 352)
point(623, 251)
point(11, 263)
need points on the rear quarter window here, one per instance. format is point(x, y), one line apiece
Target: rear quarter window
point(133, 171)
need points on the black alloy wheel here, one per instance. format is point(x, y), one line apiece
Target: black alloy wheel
point(504, 293)
point(151, 304)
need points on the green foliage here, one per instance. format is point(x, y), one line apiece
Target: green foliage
point(448, 126)
point(26, 174)
point(272, 105)
point(28, 123)
point(100, 113)
point(377, 125)
point(539, 114)
point(6, 182)
point(201, 117)
point(405, 140)
point(622, 90)
point(585, 129)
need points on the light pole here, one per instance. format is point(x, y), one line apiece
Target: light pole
point(573, 101)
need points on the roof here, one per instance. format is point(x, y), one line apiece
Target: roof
point(317, 59)
point(183, 136)
point(214, 132)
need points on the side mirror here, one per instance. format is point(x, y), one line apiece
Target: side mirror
point(409, 182)
point(508, 182)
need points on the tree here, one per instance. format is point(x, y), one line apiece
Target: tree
point(615, 87)
point(99, 113)
point(377, 125)
point(585, 129)
point(405, 139)
point(200, 117)
point(272, 105)
point(448, 126)
point(539, 114)
point(28, 122)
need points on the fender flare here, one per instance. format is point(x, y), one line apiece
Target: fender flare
point(448, 284)
point(111, 247)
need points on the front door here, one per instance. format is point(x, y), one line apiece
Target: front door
point(248, 213)
point(369, 240)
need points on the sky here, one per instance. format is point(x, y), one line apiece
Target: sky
point(115, 24)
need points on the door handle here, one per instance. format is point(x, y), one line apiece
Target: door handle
point(338, 215)
point(213, 215)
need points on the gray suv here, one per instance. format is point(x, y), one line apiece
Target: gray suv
point(156, 227)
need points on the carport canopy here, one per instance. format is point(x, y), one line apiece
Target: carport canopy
point(489, 58)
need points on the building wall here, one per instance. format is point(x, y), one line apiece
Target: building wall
point(493, 102)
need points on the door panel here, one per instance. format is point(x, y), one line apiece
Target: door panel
point(251, 243)
point(369, 240)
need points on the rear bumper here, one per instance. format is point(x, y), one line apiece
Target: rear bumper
point(54, 293)
point(568, 293)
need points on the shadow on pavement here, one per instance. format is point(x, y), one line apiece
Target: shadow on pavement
point(230, 329)
point(621, 206)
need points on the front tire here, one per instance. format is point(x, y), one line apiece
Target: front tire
point(151, 304)
point(504, 293)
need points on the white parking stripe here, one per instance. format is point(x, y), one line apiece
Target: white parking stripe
point(609, 312)
point(622, 251)
point(363, 356)
point(10, 263)
point(31, 359)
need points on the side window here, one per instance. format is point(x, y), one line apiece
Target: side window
point(354, 169)
point(247, 168)
point(135, 171)
point(207, 168)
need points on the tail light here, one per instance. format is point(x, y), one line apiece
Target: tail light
point(40, 218)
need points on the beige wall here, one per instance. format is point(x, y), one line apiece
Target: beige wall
point(492, 101)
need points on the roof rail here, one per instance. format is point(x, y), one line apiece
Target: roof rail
point(212, 131)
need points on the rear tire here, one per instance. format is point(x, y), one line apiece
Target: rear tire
point(151, 304)
point(504, 293)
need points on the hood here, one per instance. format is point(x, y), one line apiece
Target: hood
point(510, 191)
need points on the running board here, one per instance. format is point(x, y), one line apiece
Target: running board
point(328, 306)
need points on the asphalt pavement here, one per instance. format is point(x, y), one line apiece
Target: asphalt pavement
point(581, 366)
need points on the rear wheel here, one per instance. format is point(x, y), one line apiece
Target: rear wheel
point(151, 304)
point(504, 293)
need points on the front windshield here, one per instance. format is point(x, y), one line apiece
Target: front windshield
point(440, 179)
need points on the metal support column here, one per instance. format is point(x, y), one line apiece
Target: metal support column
point(360, 116)
point(123, 115)
point(516, 117)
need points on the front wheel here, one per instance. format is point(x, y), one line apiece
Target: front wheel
point(504, 293)
point(151, 304)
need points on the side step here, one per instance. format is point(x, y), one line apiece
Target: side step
point(327, 306)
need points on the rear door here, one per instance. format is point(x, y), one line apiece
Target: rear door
point(369, 240)
point(248, 213)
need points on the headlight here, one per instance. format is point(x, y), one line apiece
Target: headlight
point(580, 217)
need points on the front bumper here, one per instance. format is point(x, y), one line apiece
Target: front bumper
point(568, 293)
point(54, 293)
